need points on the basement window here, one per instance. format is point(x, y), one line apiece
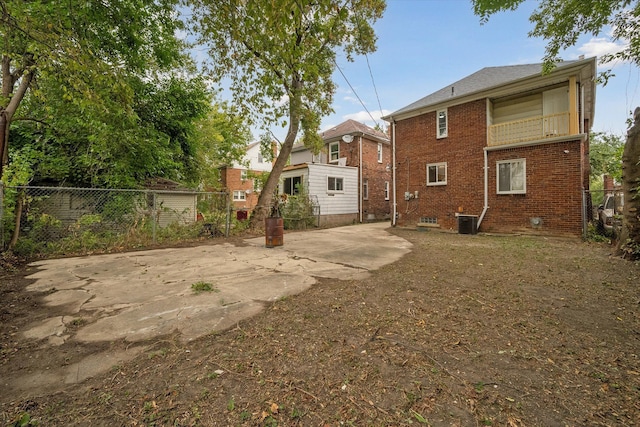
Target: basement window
point(428, 220)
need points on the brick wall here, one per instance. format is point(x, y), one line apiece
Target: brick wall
point(554, 191)
point(376, 174)
point(462, 150)
point(554, 178)
point(231, 180)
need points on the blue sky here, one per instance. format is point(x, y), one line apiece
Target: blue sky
point(424, 45)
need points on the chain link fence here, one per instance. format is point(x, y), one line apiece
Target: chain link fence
point(61, 220)
point(603, 212)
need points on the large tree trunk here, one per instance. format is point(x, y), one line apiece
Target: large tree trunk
point(13, 99)
point(4, 139)
point(266, 199)
point(18, 221)
point(629, 244)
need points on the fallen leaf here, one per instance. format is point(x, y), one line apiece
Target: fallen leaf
point(274, 408)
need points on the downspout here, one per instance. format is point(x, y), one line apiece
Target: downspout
point(489, 115)
point(360, 201)
point(393, 174)
point(486, 187)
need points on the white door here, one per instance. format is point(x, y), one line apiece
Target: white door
point(554, 102)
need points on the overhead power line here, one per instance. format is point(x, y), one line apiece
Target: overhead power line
point(355, 93)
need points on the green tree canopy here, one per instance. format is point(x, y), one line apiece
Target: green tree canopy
point(562, 22)
point(81, 43)
point(605, 155)
point(280, 56)
point(162, 127)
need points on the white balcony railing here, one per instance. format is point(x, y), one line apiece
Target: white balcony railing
point(535, 128)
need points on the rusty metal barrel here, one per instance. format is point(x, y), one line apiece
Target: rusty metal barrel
point(274, 232)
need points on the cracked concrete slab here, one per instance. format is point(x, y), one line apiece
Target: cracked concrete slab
point(137, 296)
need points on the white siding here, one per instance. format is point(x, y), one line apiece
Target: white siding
point(301, 156)
point(517, 109)
point(305, 156)
point(334, 203)
point(252, 156)
point(176, 207)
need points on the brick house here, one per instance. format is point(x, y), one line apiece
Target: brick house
point(505, 148)
point(238, 180)
point(359, 156)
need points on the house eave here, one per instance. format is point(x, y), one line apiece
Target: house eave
point(586, 69)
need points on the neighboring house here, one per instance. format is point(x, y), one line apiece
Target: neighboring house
point(238, 179)
point(507, 146)
point(350, 179)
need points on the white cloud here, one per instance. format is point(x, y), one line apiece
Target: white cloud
point(599, 46)
point(364, 117)
point(351, 99)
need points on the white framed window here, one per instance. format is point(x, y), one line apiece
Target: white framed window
point(239, 196)
point(386, 190)
point(334, 151)
point(442, 123)
point(244, 174)
point(379, 152)
point(365, 189)
point(437, 173)
point(511, 176)
point(292, 185)
point(260, 157)
point(335, 184)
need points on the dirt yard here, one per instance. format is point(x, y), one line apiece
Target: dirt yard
point(464, 331)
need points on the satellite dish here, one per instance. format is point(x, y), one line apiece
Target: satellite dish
point(347, 138)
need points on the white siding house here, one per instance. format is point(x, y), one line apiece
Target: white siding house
point(333, 187)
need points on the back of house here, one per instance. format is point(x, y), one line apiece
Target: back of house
point(506, 147)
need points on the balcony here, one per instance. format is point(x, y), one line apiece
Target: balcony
point(533, 129)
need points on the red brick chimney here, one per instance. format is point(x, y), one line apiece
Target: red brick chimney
point(607, 182)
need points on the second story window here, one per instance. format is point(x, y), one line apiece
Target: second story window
point(334, 152)
point(442, 124)
point(379, 152)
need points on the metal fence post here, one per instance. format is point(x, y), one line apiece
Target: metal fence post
point(584, 214)
point(153, 218)
point(228, 221)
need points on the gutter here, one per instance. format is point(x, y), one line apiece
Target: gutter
point(394, 211)
point(361, 198)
